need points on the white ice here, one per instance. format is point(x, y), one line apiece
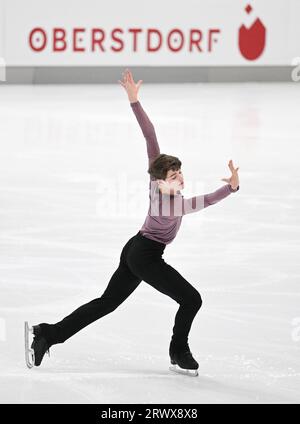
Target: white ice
point(70, 156)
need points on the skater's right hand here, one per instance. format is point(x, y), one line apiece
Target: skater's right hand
point(130, 86)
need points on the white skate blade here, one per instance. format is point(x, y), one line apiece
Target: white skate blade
point(176, 368)
point(29, 353)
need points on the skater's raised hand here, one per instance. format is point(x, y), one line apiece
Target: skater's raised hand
point(234, 179)
point(130, 86)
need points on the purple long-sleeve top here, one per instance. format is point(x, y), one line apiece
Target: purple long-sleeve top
point(166, 211)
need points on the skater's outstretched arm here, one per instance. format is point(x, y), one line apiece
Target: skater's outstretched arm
point(146, 125)
point(196, 203)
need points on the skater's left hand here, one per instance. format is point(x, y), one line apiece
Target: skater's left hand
point(234, 179)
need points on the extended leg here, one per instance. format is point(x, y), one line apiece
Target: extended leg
point(122, 283)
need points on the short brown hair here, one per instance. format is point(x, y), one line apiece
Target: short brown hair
point(162, 164)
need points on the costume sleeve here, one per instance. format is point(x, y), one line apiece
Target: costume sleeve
point(196, 203)
point(148, 130)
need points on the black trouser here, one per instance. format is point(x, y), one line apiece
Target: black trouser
point(141, 259)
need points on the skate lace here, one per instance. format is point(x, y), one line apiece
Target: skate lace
point(187, 354)
point(36, 337)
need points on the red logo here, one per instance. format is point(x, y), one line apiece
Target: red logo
point(252, 40)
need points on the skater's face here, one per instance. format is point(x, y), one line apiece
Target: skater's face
point(173, 182)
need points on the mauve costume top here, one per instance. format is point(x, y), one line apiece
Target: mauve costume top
point(166, 211)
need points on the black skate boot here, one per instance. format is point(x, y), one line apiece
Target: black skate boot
point(39, 345)
point(182, 360)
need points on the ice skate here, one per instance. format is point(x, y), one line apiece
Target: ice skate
point(39, 345)
point(182, 361)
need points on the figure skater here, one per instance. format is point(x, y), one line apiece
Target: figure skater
point(141, 258)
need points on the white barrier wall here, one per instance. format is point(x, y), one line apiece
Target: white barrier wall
point(153, 33)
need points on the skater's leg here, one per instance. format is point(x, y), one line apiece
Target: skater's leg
point(169, 281)
point(122, 283)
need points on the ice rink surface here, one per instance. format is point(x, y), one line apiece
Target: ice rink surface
point(74, 189)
